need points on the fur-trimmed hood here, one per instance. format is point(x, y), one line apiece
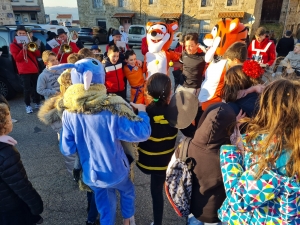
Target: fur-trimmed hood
point(49, 112)
point(95, 100)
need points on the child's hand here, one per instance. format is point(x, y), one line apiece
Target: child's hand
point(139, 107)
point(241, 115)
point(139, 62)
point(257, 88)
point(8, 140)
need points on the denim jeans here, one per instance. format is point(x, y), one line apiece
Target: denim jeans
point(194, 221)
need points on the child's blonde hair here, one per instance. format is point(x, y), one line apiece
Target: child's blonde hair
point(64, 81)
point(4, 112)
point(85, 52)
point(297, 44)
point(74, 57)
point(279, 119)
point(46, 54)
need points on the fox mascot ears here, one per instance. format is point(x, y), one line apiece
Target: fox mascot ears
point(224, 34)
point(160, 35)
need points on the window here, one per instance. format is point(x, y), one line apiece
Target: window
point(232, 2)
point(102, 23)
point(32, 16)
point(151, 2)
point(137, 30)
point(122, 3)
point(97, 3)
point(3, 46)
point(14, 0)
point(29, 0)
point(205, 3)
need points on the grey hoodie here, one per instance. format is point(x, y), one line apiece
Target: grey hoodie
point(47, 84)
point(293, 59)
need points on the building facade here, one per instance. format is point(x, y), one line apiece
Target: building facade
point(6, 13)
point(61, 18)
point(28, 11)
point(192, 15)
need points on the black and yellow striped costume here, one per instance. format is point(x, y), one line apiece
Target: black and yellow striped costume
point(155, 153)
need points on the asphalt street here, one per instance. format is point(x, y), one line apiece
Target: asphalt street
point(64, 203)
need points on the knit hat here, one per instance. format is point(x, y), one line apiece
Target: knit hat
point(182, 109)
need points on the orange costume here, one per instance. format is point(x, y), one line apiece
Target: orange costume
point(136, 80)
point(225, 33)
point(159, 38)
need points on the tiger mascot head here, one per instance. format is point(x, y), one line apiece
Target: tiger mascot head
point(224, 34)
point(160, 35)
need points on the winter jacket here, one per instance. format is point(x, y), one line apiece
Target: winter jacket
point(29, 67)
point(64, 56)
point(47, 84)
point(193, 67)
point(284, 46)
point(293, 59)
point(15, 188)
point(144, 47)
point(208, 191)
point(273, 198)
point(247, 104)
point(155, 153)
point(265, 49)
point(114, 78)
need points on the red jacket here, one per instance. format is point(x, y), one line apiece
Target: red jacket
point(144, 47)
point(29, 67)
point(114, 78)
point(74, 47)
point(266, 48)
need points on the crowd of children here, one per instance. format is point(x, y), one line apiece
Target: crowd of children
point(245, 149)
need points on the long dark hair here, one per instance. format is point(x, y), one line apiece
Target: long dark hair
point(236, 80)
point(158, 89)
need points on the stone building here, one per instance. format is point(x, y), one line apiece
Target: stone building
point(6, 13)
point(193, 15)
point(28, 11)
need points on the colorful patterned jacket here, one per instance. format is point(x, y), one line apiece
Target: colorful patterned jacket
point(272, 199)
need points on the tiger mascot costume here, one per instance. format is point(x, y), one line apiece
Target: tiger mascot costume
point(225, 33)
point(159, 39)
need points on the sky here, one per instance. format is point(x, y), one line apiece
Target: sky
point(62, 3)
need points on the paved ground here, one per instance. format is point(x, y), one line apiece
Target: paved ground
point(64, 204)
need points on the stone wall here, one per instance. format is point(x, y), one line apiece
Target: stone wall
point(191, 10)
point(293, 18)
point(6, 13)
point(41, 15)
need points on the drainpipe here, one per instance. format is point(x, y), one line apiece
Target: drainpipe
point(287, 9)
point(182, 15)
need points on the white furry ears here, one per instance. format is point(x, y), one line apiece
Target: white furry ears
point(87, 79)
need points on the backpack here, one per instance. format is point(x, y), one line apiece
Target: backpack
point(178, 185)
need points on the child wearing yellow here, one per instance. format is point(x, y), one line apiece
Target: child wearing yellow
point(135, 77)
